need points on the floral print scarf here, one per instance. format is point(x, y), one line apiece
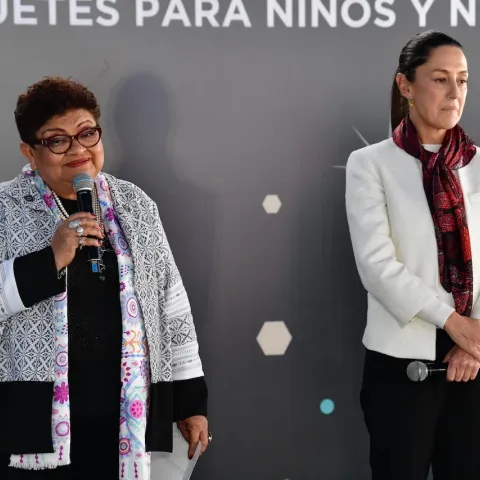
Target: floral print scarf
point(134, 461)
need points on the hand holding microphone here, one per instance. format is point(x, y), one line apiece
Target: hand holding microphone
point(66, 240)
point(79, 230)
point(458, 366)
point(461, 365)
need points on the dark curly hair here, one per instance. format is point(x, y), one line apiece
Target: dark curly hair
point(48, 98)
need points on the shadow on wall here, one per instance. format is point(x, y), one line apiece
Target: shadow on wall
point(141, 116)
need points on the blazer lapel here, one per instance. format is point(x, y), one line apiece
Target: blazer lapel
point(469, 178)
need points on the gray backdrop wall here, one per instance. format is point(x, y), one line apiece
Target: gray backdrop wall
point(209, 121)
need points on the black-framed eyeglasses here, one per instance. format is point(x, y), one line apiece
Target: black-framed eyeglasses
point(59, 144)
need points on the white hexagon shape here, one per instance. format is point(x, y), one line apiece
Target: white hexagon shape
point(272, 204)
point(274, 338)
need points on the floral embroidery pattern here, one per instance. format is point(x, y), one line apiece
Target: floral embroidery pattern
point(61, 393)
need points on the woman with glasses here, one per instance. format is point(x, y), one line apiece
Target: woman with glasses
point(95, 366)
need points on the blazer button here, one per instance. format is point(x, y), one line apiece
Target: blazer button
point(28, 198)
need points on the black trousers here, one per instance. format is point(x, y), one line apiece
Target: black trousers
point(415, 425)
point(94, 454)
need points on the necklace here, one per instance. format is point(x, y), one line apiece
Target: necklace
point(96, 208)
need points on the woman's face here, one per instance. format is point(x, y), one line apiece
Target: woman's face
point(439, 89)
point(59, 169)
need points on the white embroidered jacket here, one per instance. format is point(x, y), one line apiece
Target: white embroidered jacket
point(27, 334)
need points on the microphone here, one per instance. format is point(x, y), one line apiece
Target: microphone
point(83, 185)
point(418, 371)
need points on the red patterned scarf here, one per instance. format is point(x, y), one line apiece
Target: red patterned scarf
point(445, 197)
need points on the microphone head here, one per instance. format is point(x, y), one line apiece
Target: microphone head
point(83, 181)
point(417, 371)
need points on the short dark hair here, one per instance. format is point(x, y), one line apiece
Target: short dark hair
point(48, 98)
point(415, 53)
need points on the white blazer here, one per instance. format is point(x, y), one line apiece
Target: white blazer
point(395, 249)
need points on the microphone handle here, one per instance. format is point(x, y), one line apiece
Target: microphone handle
point(85, 204)
point(436, 368)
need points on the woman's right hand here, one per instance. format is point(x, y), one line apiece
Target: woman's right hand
point(465, 332)
point(66, 240)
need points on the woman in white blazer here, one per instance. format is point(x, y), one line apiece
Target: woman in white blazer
point(413, 208)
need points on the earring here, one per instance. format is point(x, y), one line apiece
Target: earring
point(410, 101)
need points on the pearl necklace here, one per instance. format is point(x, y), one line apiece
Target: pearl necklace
point(96, 208)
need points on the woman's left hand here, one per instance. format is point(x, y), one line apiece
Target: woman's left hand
point(194, 429)
point(461, 365)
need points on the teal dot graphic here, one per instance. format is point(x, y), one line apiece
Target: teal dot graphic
point(327, 406)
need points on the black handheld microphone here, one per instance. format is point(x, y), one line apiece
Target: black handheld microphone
point(83, 185)
point(418, 371)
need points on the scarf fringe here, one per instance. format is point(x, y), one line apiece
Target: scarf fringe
point(46, 465)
